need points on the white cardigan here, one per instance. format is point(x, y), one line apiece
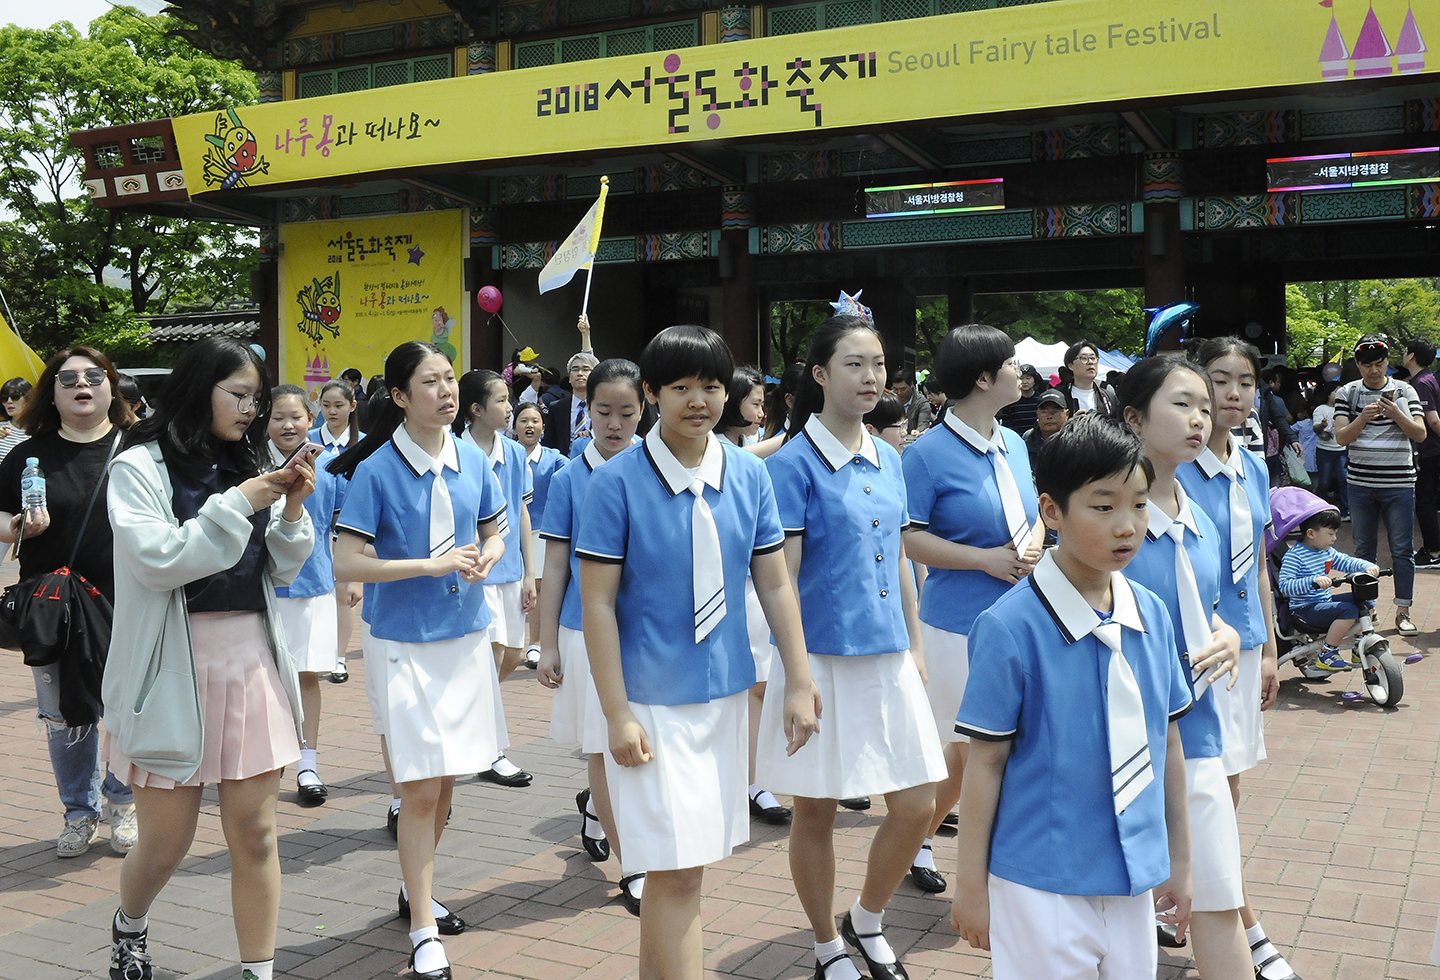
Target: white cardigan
point(152, 703)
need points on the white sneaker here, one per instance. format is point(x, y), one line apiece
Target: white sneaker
point(80, 833)
point(123, 828)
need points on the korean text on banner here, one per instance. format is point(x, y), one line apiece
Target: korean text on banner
point(578, 249)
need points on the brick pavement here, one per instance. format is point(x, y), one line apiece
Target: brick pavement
point(1341, 832)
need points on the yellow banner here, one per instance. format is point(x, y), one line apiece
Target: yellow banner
point(352, 291)
point(1066, 52)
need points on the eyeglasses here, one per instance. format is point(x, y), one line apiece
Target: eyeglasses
point(93, 377)
point(244, 402)
point(1088, 359)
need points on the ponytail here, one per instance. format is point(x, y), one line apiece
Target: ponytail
point(399, 368)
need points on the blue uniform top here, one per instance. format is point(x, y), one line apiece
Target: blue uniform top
point(562, 519)
point(1039, 677)
point(953, 494)
point(638, 512)
point(507, 459)
point(1240, 602)
point(850, 509)
point(580, 445)
point(1154, 567)
point(317, 575)
point(545, 462)
point(389, 505)
point(334, 446)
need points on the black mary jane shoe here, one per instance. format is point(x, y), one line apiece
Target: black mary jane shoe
point(1165, 935)
point(597, 847)
point(877, 971)
point(820, 968)
point(927, 879)
point(312, 794)
point(777, 814)
point(632, 902)
point(1259, 974)
point(449, 924)
point(392, 822)
point(856, 803)
point(441, 974)
point(339, 675)
point(515, 780)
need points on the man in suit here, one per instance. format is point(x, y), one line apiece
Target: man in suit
point(567, 417)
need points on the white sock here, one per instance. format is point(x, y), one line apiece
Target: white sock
point(132, 926)
point(867, 922)
point(763, 797)
point(504, 767)
point(636, 887)
point(260, 970)
point(593, 828)
point(825, 952)
point(432, 956)
point(395, 804)
point(308, 772)
point(926, 857)
point(1262, 952)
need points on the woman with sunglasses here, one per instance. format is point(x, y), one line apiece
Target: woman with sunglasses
point(12, 399)
point(71, 415)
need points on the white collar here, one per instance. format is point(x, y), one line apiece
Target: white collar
point(535, 454)
point(592, 457)
point(1160, 523)
point(1067, 607)
point(1210, 466)
point(342, 440)
point(418, 459)
point(496, 452)
point(672, 472)
point(276, 455)
point(972, 438)
point(830, 450)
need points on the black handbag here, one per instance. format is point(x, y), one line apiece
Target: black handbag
point(46, 615)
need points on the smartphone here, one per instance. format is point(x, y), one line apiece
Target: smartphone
point(307, 453)
point(1388, 394)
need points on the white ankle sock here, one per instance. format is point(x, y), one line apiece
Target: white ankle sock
point(308, 772)
point(504, 767)
point(865, 922)
point(436, 909)
point(825, 952)
point(260, 970)
point(763, 797)
point(636, 887)
point(132, 926)
point(926, 858)
point(432, 956)
point(395, 803)
point(594, 829)
point(1259, 954)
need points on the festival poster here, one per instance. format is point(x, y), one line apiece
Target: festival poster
point(352, 291)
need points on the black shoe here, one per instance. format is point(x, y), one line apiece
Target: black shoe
point(951, 819)
point(128, 958)
point(441, 974)
point(776, 814)
point(515, 780)
point(878, 971)
point(339, 675)
point(857, 803)
point(926, 879)
point(392, 822)
point(1423, 559)
point(1165, 935)
point(532, 657)
point(450, 924)
point(597, 847)
point(820, 968)
point(312, 794)
point(631, 900)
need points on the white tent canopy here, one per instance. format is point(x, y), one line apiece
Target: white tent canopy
point(1046, 358)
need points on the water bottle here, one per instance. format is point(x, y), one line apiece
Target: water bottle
point(32, 487)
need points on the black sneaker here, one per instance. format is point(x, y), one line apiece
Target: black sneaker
point(128, 958)
point(1423, 559)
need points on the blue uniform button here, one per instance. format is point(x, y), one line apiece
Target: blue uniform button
point(454, 589)
point(867, 489)
point(874, 523)
point(1242, 593)
point(879, 557)
point(884, 593)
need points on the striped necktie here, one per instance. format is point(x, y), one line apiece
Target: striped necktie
point(1130, 768)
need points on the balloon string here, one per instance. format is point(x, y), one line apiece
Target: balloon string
point(496, 316)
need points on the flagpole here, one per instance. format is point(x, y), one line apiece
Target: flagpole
point(595, 243)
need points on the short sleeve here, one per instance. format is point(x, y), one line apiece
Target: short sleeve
point(1343, 406)
point(492, 497)
point(919, 489)
point(559, 519)
point(1415, 402)
point(792, 493)
point(995, 688)
point(769, 535)
point(364, 503)
point(604, 519)
point(1163, 631)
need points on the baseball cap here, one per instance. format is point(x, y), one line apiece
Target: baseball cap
point(1052, 397)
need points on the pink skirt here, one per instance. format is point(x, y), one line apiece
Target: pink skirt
point(249, 728)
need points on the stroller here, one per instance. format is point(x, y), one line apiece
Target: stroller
point(1382, 677)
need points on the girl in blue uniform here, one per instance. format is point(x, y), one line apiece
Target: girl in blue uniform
point(615, 406)
point(510, 587)
point(1166, 400)
point(430, 507)
point(666, 533)
point(841, 497)
point(972, 505)
point(338, 430)
point(544, 462)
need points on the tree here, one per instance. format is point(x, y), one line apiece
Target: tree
point(791, 324)
point(55, 252)
point(1322, 318)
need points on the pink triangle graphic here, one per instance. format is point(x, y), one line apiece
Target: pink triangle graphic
point(1372, 49)
point(1410, 46)
point(1334, 56)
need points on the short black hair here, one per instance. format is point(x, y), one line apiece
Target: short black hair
point(745, 380)
point(902, 376)
point(1089, 447)
point(1423, 350)
point(1326, 518)
point(1144, 381)
point(1076, 349)
point(967, 352)
point(887, 412)
point(1211, 349)
point(1372, 338)
point(615, 370)
point(129, 388)
point(686, 351)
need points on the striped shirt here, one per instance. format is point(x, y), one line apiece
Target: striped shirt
point(1302, 564)
point(1380, 456)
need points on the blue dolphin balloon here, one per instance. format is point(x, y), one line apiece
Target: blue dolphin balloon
point(1165, 319)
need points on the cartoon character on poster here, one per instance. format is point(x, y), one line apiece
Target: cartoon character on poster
point(233, 154)
point(319, 305)
point(441, 325)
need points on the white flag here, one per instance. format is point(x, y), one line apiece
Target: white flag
point(578, 250)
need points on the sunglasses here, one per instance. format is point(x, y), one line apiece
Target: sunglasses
point(1371, 351)
point(69, 379)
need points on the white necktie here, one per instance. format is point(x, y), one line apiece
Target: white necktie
point(1016, 524)
point(1130, 768)
point(1194, 623)
point(708, 571)
point(1242, 527)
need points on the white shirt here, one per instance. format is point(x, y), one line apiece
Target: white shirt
point(1084, 397)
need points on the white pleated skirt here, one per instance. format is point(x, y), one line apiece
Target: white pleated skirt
point(875, 733)
point(439, 705)
point(312, 631)
point(1241, 722)
point(1215, 869)
point(537, 554)
point(374, 679)
point(575, 715)
point(507, 622)
point(759, 630)
point(947, 667)
point(687, 807)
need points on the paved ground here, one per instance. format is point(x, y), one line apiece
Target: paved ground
point(1341, 830)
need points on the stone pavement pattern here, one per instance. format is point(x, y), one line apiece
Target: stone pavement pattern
point(1340, 828)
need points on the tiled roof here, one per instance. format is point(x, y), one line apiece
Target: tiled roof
point(188, 327)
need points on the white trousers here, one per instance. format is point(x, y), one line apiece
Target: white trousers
point(1039, 935)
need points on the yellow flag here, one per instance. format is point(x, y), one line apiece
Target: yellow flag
point(17, 360)
point(579, 247)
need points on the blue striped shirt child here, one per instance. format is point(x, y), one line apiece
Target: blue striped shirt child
point(1303, 564)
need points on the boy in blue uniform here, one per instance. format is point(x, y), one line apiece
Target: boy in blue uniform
point(1074, 793)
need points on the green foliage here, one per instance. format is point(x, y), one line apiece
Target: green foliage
point(56, 248)
point(1322, 318)
point(791, 324)
point(1112, 318)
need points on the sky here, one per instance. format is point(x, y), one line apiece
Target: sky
point(78, 12)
